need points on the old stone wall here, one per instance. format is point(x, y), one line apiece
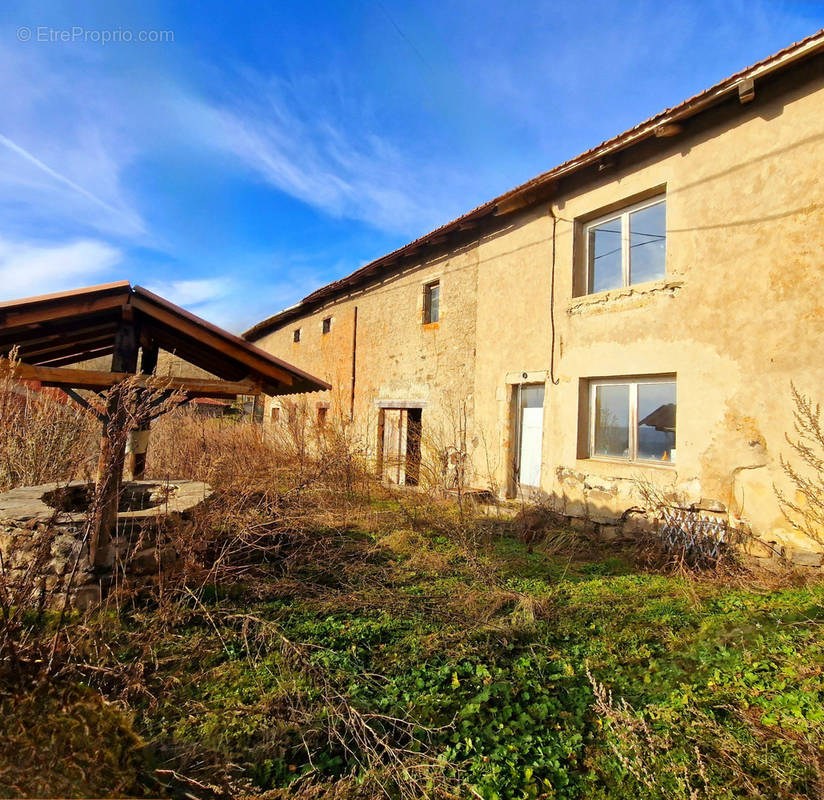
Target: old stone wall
point(398, 360)
point(47, 548)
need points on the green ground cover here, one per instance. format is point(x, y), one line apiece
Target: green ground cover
point(422, 668)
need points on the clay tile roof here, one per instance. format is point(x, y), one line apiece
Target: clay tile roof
point(525, 193)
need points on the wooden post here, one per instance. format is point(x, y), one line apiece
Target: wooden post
point(112, 447)
point(138, 442)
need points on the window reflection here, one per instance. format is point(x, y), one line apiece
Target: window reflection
point(647, 243)
point(656, 421)
point(612, 420)
point(605, 256)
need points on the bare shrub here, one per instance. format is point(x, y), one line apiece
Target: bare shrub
point(805, 512)
point(34, 584)
point(221, 452)
point(44, 436)
point(640, 750)
point(275, 487)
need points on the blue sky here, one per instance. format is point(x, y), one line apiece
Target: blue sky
point(273, 147)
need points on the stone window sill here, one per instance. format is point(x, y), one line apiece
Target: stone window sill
point(626, 297)
point(668, 466)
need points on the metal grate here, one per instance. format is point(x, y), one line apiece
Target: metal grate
point(699, 539)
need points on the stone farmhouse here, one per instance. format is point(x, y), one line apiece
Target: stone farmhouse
point(636, 314)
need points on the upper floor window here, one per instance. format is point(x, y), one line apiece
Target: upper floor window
point(633, 419)
point(627, 247)
point(326, 325)
point(431, 302)
point(296, 335)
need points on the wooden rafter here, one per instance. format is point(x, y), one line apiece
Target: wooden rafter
point(101, 381)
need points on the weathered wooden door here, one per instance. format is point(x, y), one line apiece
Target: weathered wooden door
point(394, 445)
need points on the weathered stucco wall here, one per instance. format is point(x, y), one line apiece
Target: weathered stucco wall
point(738, 316)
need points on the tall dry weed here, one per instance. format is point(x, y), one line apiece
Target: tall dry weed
point(44, 437)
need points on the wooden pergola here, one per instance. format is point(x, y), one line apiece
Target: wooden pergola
point(131, 324)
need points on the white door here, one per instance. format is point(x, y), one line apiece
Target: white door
point(531, 434)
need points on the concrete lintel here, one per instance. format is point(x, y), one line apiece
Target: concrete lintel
point(400, 403)
point(526, 376)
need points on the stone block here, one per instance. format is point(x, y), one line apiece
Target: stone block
point(168, 558)
point(803, 558)
point(582, 524)
point(638, 523)
point(708, 504)
point(758, 548)
point(87, 596)
point(609, 533)
point(144, 561)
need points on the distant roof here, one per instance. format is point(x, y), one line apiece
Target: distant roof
point(662, 419)
point(540, 187)
point(59, 329)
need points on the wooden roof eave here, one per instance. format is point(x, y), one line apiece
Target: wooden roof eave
point(67, 327)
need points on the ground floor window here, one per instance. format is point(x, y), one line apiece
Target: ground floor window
point(633, 419)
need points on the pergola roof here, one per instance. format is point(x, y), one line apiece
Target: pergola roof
point(59, 329)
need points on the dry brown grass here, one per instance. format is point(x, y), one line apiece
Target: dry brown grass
point(44, 436)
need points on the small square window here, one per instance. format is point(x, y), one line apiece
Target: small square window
point(627, 247)
point(431, 302)
point(275, 413)
point(323, 413)
point(296, 335)
point(633, 419)
point(326, 325)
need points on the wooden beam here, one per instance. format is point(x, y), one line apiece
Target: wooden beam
point(101, 381)
point(83, 403)
point(138, 443)
point(58, 333)
point(58, 349)
point(24, 316)
point(668, 129)
point(523, 198)
point(75, 357)
point(199, 333)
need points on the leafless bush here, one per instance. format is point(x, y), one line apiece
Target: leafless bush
point(275, 487)
point(221, 452)
point(805, 512)
point(44, 437)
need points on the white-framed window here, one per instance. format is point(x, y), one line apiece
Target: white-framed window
point(296, 335)
point(431, 302)
point(626, 247)
point(633, 419)
point(326, 325)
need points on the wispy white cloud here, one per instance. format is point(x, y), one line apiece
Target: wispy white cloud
point(64, 148)
point(192, 293)
point(28, 268)
point(339, 166)
point(58, 178)
point(257, 289)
